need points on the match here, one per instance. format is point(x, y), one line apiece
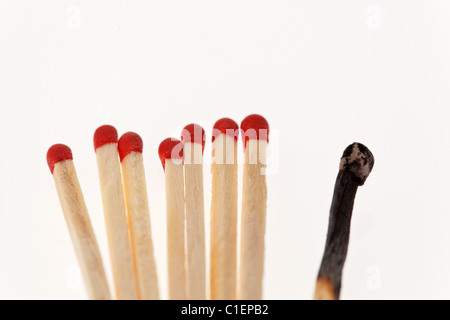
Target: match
point(171, 154)
point(356, 164)
point(60, 162)
point(193, 138)
point(130, 148)
point(125, 281)
point(224, 197)
point(255, 135)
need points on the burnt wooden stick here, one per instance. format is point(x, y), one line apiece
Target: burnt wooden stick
point(356, 164)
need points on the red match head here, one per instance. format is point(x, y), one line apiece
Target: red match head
point(57, 153)
point(193, 133)
point(104, 135)
point(255, 127)
point(225, 126)
point(170, 148)
point(129, 142)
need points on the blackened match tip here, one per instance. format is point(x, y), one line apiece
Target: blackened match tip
point(357, 159)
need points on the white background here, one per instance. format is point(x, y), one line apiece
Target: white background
point(323, 73)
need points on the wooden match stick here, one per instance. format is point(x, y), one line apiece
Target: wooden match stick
point(60, 162)
point(255, 134)
point(135, 188)
point(193, 137)
point(356, 164)
point(125, 281)
point(171, 154)
point(224, 199)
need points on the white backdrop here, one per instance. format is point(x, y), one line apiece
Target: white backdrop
point(323, 73)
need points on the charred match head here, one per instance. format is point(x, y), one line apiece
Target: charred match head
point(57, 153)
point(255, 127)
point(170, 148)
point(129, 142)
point(193, 133)
point(225, 126)
point(104, 135)
point(356, 164)
point(358, 160)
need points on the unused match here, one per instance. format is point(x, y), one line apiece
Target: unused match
point(171, 154)
point(125, 281)
point(60, 162)
point(255, 135)
point(224, 198)
point(193, 138)
point(130, 148)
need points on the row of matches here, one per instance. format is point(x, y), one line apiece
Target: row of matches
point(127, 218)
point(124, 194)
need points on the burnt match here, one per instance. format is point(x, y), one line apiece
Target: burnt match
point(356, 164)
